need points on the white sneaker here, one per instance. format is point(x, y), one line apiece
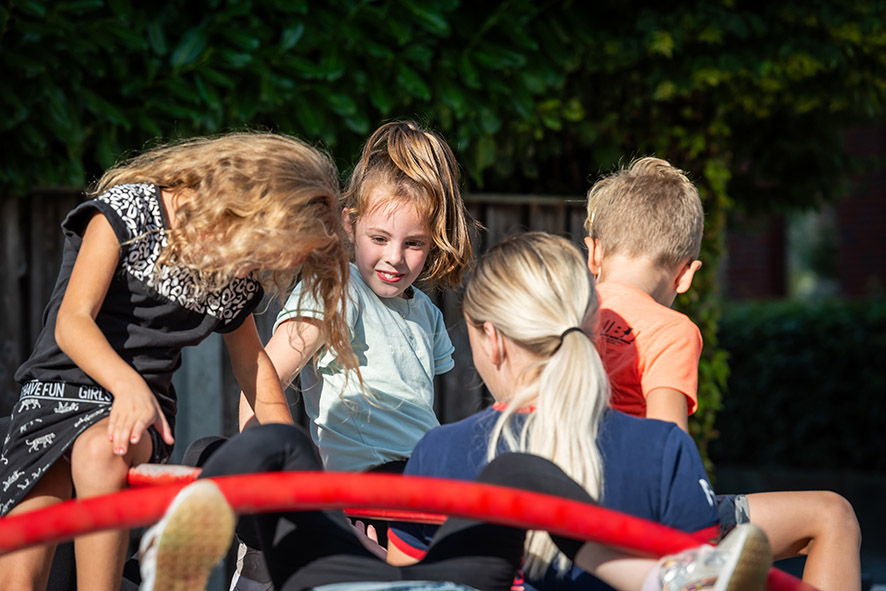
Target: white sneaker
point(740, 562)
point(178, 553)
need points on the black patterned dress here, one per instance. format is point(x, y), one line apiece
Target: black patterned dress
point(147, 318)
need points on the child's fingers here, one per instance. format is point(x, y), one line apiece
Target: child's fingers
point(136, 434)
point(371, 533)
point(120, 440)
point(165, 431)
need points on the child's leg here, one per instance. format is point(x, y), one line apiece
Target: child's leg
point(95, 470)
point(820, 525)
point(302, 548)
point(486, 556)
point(29, 569)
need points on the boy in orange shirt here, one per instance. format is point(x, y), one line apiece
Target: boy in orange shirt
point(644, 228)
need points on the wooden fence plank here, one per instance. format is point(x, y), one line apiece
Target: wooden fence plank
point(13, 334)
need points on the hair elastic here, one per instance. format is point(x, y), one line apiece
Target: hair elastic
point(567, 331)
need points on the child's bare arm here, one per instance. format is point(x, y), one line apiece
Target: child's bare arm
point(398, 557)
point(256, 376)
point(135, 408)
point(667, 404)
point(290, 348)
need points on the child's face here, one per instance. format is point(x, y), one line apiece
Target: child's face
point(391, 244)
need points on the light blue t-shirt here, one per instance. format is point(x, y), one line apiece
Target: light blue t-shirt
point(401, 344)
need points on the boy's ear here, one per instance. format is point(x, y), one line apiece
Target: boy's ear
point(595, 255)
point(684, 277)
point(347, 223)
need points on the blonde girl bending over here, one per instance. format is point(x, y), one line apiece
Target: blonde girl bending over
point(175, 244)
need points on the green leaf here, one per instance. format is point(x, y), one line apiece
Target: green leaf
point(215, 77)
point(380, 94)
point(147, 124)
point(60, 119)
point(81, 6)
point(310, 116)
point(106, 148)
point(359, 124)
point(122, 9)
point(410, 81)
point(332, 65)
point(32, 8)
point(104, 110)
point(307, 68)
point(291, 36)
point(452, 95)
point(207, 93)
point(244, 41)
point(662, 43)
point(573, 111)
point(498, 57)
point(341, 103)
point(401, 32)
point(522, 102)
point(189, 49)
point(489, 121)
point(299, 6)
point(129, 38)
point(419, 54)
point(377, 50)
point(468, 71)
point(180, 88)
point(485, 151)
point(156, 37)
point(429, 20)
point(235, 59)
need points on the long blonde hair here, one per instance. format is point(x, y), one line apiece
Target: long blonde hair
point(421, 170)
point(257, 199)
point(546, 279)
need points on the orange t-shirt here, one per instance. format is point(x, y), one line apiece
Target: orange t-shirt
point(645, 346)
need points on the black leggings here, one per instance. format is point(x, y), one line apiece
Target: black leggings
point(307, 549)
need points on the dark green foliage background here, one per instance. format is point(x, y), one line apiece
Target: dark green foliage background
point(751, 98)
point(815, 374)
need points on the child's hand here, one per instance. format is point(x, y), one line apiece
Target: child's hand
point(369, 539)
point(131, 414)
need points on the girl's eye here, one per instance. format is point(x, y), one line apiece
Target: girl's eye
point(377, 239)
point(415, 244)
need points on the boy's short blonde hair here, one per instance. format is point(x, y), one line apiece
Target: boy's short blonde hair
point(649, 209)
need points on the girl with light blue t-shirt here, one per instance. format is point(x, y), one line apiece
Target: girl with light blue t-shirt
point(406, 220)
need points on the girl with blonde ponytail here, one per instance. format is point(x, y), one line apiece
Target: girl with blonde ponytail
point(530, 307)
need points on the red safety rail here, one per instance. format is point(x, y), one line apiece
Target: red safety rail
point(287, 491)
point(155, 474)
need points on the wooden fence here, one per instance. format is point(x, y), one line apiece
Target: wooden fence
point(32, 242)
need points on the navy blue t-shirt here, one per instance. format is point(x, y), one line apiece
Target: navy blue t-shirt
point(651, 469)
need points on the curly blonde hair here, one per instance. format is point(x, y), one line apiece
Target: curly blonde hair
point(546, 278)
point(420, 169)
point(253, 200)
point(650, 209)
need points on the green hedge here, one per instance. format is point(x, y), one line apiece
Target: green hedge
point(807, 385)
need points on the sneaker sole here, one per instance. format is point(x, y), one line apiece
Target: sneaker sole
point(751, 566)
point(195, 538)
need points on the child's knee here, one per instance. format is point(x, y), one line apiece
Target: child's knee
point(93, 459)
point(839, 516)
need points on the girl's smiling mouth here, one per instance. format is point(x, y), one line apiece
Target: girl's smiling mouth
point(388, 277)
